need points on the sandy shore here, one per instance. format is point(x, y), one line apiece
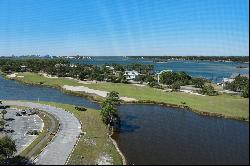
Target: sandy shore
point(93, 91)
point(192, 93)
point(12, 75)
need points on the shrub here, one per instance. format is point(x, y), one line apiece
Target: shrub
point(33, 132)
point(176, 86)
point(208, 90)
point(245, 92)
point(152, 83)
point(80, 108)
point(198, 82)
point(169, 78)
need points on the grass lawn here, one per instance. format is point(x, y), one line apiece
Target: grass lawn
point(227, 105)
point(34, 78)
point(232, 106)
point(95, 143)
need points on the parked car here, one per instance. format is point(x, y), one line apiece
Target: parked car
point(23, 112)
point(18, 114)
point(32, 112)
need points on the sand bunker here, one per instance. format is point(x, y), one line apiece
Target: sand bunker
point(93, 91)
point(12, 75)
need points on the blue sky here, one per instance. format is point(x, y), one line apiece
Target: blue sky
point(124, 27)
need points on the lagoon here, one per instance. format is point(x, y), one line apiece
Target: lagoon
point(153, 134)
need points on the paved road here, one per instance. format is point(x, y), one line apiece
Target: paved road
point(57, 152)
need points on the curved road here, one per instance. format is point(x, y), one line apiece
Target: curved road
point(59, 149)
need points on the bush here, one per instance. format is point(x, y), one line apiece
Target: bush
point(80, 108)
point(238, 85)
point(169, 78)
point(245, 92)
point(33, 132)
point(152, 83)
point(198, 82)
point(208, 90)
point(176, 86)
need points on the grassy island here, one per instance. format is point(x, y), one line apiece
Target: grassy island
point(229, 106)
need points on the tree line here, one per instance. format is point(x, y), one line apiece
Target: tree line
point(196, 58)
point(63, 68)
point(240, 84)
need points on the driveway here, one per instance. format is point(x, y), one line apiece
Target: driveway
point(59, 149)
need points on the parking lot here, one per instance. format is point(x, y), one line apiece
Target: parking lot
point(59, 149)
point(18, 126)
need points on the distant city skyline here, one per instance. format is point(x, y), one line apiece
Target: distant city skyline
point(124, 28)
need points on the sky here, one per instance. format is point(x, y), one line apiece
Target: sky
point(124, 27)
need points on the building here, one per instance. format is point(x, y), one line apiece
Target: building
point(131, 75)
point(245, 75)
point(110, 67)
point(226, 80)
point(23, 68)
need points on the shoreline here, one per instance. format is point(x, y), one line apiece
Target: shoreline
point(98, 99)
point(124, 161)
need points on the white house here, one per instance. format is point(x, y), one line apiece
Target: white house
point(110, 67)
point(226, 80)
point(73, 65)
point(23, 68)
point(131, 75)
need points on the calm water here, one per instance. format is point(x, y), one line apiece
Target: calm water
point(153, 134)
point(12, 90)
point(211, 70)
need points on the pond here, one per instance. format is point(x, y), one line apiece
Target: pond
point(153, 134)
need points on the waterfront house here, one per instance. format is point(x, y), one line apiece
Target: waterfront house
point(226, 80)
point(131, 75)
point(23, 68)
point(110, 67)
point(245, 75)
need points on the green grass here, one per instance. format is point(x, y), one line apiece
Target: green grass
point(226, 105)
point(34, 78)
point(96, 131)
point(233, 106)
